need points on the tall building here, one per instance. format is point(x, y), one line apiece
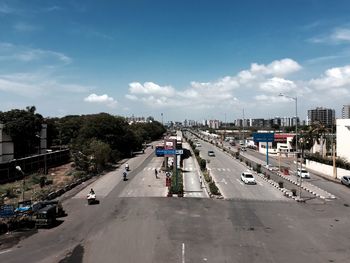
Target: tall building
point(323, 115)
point(214, 124)
point(345, 112)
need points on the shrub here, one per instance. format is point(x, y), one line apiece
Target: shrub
point(258, 168)
point(213, 188)
point(207, 176)
point(42, 181)
point(78, 174)
point(203, 164)
point(35, 178)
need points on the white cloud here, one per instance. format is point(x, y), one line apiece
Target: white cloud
point(252, 89)
point(102, 99)
point(10, 52)
point(332, 78)
point(336, 36)
point(131, 97)
point(278, 85)
point(276, 68)
point(223, 92)
point(37, 84)
point(150, 88)
point(341, 34)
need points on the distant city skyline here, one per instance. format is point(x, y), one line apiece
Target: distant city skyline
point(175, 60)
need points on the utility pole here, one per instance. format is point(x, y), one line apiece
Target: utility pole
point(334, 155)
point(243, 129)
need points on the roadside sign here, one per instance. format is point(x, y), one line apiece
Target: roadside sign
point(264, 136)
point(168, 151)
point(178, 152)
point(165, 151)
point(7, 210)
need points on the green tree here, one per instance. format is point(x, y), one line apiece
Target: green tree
point(100, 153)
point(23, 126)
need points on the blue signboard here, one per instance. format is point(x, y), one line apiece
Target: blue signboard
point(264, 136)
point(6, 211)
point(165, 151)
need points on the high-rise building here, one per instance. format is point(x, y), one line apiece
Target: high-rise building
point(345, 112)
point(214, 124)
point(323, 115)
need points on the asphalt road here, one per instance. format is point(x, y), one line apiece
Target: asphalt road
point(127, 227)
point(226, 172)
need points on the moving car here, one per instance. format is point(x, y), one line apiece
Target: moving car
point(248, 178)
point(198, 144)
point(211, 153)
point(303, 173)
point(345, 180)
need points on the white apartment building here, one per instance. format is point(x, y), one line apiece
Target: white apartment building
point(6, 146)
point(345, 112)
point(343, 138)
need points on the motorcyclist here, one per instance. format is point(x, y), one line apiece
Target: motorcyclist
point(127, 167)
point(92, 192)
point(124, 175)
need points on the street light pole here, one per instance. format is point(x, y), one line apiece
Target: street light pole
point(296, 136)
point(18, 168)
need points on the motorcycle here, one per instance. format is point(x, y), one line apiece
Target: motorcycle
point(124, 176)
point(91, 198)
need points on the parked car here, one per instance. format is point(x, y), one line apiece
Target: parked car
point(211, 153)
point(198, 144)
point(345, 180)
point(303, 173)
point(46, 216)
point(248, 178)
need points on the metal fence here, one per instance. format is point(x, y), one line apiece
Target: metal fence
point(32, 164)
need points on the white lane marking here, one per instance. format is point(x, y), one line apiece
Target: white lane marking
point(5, 251)
point(143, 179)
point(192, 181)
point(260, 184)
point(228, 169)
point(219, 169)
point(183, 252)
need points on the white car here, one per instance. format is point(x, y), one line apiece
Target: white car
point(248, 178)
point(198, 144)
point(303, 173)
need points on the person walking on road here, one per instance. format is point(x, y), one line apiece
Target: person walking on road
point(156, 173)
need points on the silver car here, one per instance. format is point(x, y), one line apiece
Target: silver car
point(345, 180)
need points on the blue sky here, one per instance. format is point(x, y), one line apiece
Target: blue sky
point(186, 59)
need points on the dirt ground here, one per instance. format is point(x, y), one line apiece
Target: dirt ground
point(59, 176)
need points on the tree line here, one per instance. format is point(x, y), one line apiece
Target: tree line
point(101, 137)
